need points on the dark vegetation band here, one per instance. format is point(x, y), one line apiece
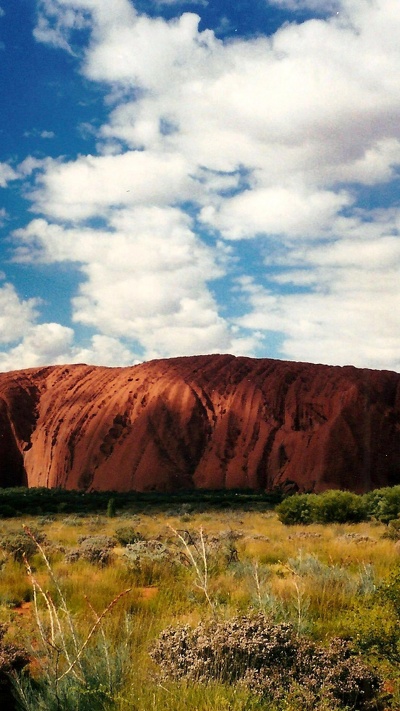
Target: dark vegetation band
point(333, 506)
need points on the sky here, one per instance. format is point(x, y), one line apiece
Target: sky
point(181, 178)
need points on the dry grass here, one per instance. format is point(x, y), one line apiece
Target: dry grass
point(311, 576)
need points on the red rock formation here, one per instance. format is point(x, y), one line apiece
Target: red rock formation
point(207, 421)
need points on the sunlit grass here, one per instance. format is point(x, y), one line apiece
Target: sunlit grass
point(274, 573)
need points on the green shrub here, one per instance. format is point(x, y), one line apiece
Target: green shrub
point(330, 507)
point(126, 535)
point(393, 530)
point(340, 507)
point(384, 504)
point(376, 630)
point(297, 509)
point(7, 511)
point(389, 591)
point(18, 544)
point(111, 508)
point(150, 561)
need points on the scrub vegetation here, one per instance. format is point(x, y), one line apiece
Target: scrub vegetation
point(183, 607)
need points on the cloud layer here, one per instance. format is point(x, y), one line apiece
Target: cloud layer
point(277, 140)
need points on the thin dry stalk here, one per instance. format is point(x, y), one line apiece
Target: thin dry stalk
point(201, 566)
point(63, 606)
point(92, 631)
point(54, 618)
point(299, 597)
point(257, 582)
point(107, 656)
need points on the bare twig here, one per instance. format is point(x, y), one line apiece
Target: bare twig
point(200, 565)
point(92, 631)
point(257, 581)
point(55, 582)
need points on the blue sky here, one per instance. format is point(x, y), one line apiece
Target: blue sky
point(182, 178)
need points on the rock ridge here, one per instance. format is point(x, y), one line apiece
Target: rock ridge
point(214, 422)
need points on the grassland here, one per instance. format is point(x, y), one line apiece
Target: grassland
point(170, 568)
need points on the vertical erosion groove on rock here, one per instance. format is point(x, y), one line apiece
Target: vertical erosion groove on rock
point(204, 421)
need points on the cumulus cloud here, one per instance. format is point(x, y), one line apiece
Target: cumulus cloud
point(276, 211)
point(16, 315)
point(344, 295)
point(95, 185)
point(7, 173)
point(44, 344)
point(104, 350)
point(145, 279)
point(354, 320)
point(269, 138)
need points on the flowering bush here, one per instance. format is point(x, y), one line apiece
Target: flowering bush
point(270, 660)
point(95, 549)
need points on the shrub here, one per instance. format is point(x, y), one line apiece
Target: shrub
point(330, 507)
point(376, 630)
point(297, 509)
point(111, 508)
point(12, 659)
point(389, 591)
point(150, 561)
point(126, 535)
point(384, 504)
point(153, 550)
point(94, 549)
point(340, 507)
point(270, 659)
point(19, 544)
point(393, 530)
point(7, 511)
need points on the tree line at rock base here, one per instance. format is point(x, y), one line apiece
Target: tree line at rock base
point(333, 506)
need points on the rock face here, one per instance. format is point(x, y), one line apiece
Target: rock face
point(207, 421)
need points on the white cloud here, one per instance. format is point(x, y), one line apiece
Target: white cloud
point(16, 315)
point(44, 344)
point(203, 3)
point(346, 309)
point(278, 211)
point(146, 280)
point(7, 174)
point(52, 343)
point(47, 134)
point(266, 136)
point(105, 350)
point(56, 21)
point(323, 7)
point(92, 186)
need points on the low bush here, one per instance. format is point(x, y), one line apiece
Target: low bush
point(150, 561)
point(12, 659)
point(270, 660)
point(126, 535)
point(94, 549)
point(298, 509)
point(329, 507)
point(340, 507)
point(384, 504)
point(393, 530)
point(20, 545)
